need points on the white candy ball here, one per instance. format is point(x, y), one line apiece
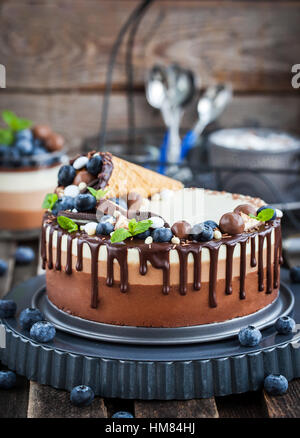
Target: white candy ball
point(148, 240)
point(175, 240)
point(279, 213)
point(82, 185)
point(80, 162)
point(157, 222)
point(90, 228)
point(217, 235)
point(72, 191)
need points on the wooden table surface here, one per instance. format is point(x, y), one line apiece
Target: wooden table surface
point(32, 400)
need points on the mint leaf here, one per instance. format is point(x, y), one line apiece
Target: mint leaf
point(97, 193)
point(266, 214)
point(6, 137)
point(141, 226)
point(132, 225)
point(67, 224)
point(49, 201)
point(119, 235)
point(15, 123)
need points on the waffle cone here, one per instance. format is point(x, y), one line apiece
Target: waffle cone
point(127, 177)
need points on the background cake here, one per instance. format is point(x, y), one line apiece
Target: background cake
point(29, 163)
point(211, 262)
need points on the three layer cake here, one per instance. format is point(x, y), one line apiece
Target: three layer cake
point(124, 245)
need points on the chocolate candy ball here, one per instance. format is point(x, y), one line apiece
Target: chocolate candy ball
point(231, 223)
point(54, 142)
point(83, 176)
point(246, 209)
point(181, 229)
point(42, 132)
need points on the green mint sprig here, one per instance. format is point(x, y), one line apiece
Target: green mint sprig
point(264, 215)
point(49, 201)
point(134, 228)
point(67, 224)
point(14, 124)
point(99, 194)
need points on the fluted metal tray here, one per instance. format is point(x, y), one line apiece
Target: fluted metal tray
point(162, 336)
point(162, 372)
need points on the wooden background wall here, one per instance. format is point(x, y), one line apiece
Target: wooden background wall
point(56, 53)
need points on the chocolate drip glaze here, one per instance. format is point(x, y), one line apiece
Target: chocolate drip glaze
point(214, 253)
point(269, 264)
point(253, 251)
point(157, 254)
point(242, 270)
point(94, 247)
point(229, 260)
point(118, 252)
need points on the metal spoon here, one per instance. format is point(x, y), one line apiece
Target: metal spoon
point(210, 105)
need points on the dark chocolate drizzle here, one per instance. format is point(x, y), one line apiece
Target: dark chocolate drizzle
point(157, 254)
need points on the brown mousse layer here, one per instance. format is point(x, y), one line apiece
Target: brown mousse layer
point(195, 293)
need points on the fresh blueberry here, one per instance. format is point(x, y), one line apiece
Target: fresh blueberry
point(285, 325)
point(122, 414)
point(28, 317)
point(207, 234)
point(7, 308)
point(202, 232)
point(8, 380)
point(144, 235)
point(104, 228)
point(3, 267)
point(63, 204)
point(196, 231)
point(4, 150)
point(267, 206)
point(82, 395)
point(94, 165)
point(162, 235)
point(42, 331)
point(249, 336)
point(24, 134)
point(66, 175)
point(85, 202)
point(120, 201)
point(295, 274)
point(276, 384)
point(24, 146)
point(24, 255)
point(107, 218)
point(13, 157)
point(211, 224)
point(39, 150)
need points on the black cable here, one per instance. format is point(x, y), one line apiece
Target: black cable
point(113, 55)
point(130, 76)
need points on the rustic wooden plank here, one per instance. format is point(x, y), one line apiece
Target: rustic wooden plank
point(47, 402)
point(200, 408)
point(13, 403)
point(248, 405)
point(66, 45)
point(287, 405)
point(24, 272)
point(7, 251)
point(77, 116)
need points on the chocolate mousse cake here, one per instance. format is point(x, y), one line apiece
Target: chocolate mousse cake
point(126, 246)
point(29, 162)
